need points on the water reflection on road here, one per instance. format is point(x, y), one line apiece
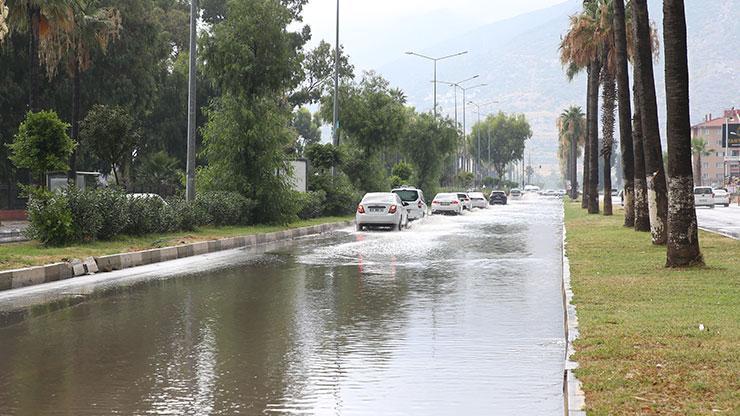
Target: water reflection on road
point(457, 315)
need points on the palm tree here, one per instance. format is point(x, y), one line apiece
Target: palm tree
point(572, 129)
point(625, 111)
point(38, 18)
point(642, 215)
point(699, 149)
point(683, 236)
point(89, 27)
point(607, 131)
point(655, 173)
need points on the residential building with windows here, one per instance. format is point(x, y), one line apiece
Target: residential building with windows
point(722, 165)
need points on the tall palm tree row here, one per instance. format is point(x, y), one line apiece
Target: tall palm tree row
point(654, 170)
point(625, 111)
point(642, 216)
point(572, 133)
point(608, 100)
point(683, 236)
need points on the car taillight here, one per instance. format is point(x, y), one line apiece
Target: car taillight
point(419, 205)
point(455, 202)
point(435, 202)
point(392, 209)
point(360, 209)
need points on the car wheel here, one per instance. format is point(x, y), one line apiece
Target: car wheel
point(727, 205)
point(711, 207)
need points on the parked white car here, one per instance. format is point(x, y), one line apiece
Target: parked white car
point(478, 200)
point(721, 197)
point(447, 203)
point(465, 200)
point(703, 196)
point(515, 193)
point(381, 209)
point(413, 200)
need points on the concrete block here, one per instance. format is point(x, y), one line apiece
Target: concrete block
point(241, 241)
point(199, 248)
point(6, 280)
point(260, 238)
point(90, 265)
point(28, 277)
point(270, 237)
point(57, 271)
point(108, 263)
point(131, 259)
point(184, 251)
point(168, 253)
point(285, 235)
point(213, 246)
point(78, 269)
point(250, 240)
point(150, 256)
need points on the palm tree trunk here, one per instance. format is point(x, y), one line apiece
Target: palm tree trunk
point(642, 215)
point(655, 171)
point(625, 112)
point(75, 118)
point(34, 80)
point(586, 148)
point(593, 137)
point(697, 169)
point(574, 167)
point(683, 236)
point(607, 125)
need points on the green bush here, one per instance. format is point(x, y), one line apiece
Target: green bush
point(50, 218)
point(396, 181)
point(224, 208)
point(341, 196)
point(87, 217)
point(311, 204)
point(113, 204)
point(145, 215)
point(187, 215)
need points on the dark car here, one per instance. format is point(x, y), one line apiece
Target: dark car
point(497, 197)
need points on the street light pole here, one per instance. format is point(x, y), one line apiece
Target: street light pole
point(476, 164)
point(434, 60)
point(190, 163)
point(335, 136)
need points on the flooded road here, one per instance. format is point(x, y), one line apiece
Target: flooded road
point(455, 316)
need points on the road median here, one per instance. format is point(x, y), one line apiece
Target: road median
point(653, 340)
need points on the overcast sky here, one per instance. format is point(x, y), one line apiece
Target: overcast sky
point(375, 32)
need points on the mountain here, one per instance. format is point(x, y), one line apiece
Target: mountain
point(519, 60)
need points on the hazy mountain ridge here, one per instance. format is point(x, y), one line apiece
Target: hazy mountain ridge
point(519, 60)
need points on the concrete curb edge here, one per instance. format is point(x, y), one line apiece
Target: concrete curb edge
point(30, 276)
point(575, 400)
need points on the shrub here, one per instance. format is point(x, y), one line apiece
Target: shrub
point(311, 204)
point(87, 217)
point(187, 215)
point(50, 218)
point(341, 196)
point(224, 208)
point(403, 171)
point(114, 209)
point(145, 215)
point(396, 181)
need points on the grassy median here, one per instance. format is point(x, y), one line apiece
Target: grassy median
point(653, 340)
point(32, 253)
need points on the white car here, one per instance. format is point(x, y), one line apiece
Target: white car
point(146, 196)
point(447, 203)
point(381, 209)
point(721, 197)
point(703, 196)
point(413, 200)
point(478, 200)
point(515, 193)
point(465, 200)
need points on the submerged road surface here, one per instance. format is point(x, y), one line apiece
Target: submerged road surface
point(455, 316)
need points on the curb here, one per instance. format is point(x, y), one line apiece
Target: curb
point(575, 400)
point(30, 276)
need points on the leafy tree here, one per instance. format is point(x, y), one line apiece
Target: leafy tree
point(42, 144)
point(505, 134)
point(318, 72)
point(158, 172)
point(111, 135)
point(427, 145)
point(308, 128)
point(572, 133)
point(322, 157)
point(403, 170)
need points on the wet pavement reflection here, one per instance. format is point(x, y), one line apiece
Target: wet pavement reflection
point(457, 315)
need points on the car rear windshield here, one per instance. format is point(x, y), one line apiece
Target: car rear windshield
point(476, 195)
point(445, 197)
point(407, 195)
point(498, 193)
point(379, 198)
point(702, 191)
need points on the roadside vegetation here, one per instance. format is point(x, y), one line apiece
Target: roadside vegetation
point(653, 340)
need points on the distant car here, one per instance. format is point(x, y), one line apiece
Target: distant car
point(703, 196)
point(515, 193)
point(497, 197)
point(531, 188)
point(146, 196)
point(447, 203)
point(549, 192)
point(381, 209)
point(413, 200)
point(478, 200)
point(721, 197)
point(465, 200)
point(560, 192)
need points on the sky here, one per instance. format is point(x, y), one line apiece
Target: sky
point(376, 32)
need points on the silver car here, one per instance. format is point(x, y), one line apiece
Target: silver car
point(478, 200)
point(381, 209)
point(413, 200)
point(447, 203)
point(465, 200)
point(703, 196)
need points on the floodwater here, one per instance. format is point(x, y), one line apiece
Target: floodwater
point(455, 316)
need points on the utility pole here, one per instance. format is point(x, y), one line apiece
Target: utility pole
point(190, 165)
point(335, 119)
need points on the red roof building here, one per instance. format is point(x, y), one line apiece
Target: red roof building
point(721, 165)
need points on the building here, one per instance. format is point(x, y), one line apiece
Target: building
point(722, 166)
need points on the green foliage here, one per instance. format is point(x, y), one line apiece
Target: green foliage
point(341, 196)
point(366, 172)
point(42, 143)
point(464, 179)
point(50, 218)
point(396, 181)
point(113, 205)
point(427, 145)
point(87, 216)
point(145, 216)
point(505, 134)
point(318, 68)
point(186, 216)
point(403, 170)
point(322, 157)
point(307, 126)
point(224, 208)
point(158, 173)
point(110, 133)
point(311, 204)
